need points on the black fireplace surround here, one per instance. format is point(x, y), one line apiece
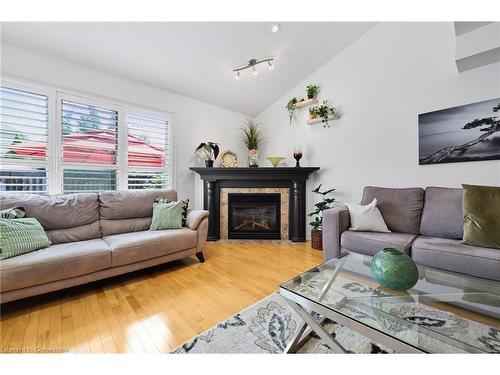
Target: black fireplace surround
point(266, 177)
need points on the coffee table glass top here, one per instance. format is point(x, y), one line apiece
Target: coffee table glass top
point(443, 312)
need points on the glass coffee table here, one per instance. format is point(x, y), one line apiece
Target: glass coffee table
point(442, 313)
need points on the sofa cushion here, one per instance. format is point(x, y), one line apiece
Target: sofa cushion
point(77, 214)
point(371, 243)
point(401, 208)
point(131, 204)
point(110, 227)
point(442, 214)
point(138, 246)
point(453, 255)
point(56, 262)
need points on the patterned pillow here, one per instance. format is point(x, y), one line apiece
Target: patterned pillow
point(185, 204)
point(21, 236)
point(12, 213)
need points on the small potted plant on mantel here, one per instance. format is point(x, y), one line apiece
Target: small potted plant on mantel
point(317, 223)
point(252, 138)
point(208, 151)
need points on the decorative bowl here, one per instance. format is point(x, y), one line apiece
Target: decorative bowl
point(394, 269)
point(275, 160)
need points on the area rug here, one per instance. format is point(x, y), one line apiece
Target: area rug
point(269, 325)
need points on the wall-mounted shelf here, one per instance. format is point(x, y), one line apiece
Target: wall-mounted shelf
point(319, 119)
point(306, 103)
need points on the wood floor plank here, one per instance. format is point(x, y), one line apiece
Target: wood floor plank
point(158, 309)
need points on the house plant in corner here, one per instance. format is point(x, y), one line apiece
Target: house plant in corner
point(208, 151)
point(252, 138)
point(317, 223)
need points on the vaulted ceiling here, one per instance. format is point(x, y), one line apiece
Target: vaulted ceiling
point(195, 59)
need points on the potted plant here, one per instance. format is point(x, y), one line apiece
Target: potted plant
point(312, 91)
point(210, 152)
point(317, 223)
point(313, 113)
point(252, 138)
point(290, 107)
point(324, 111)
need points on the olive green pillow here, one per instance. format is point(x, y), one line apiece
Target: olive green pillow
point(20, 236)
point(481, 208)
point(167, 215)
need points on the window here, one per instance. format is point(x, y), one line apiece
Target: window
point(89, 147)
point(54, 142)
point(148, 152)
point(24, 124)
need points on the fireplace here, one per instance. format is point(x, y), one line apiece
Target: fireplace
point(254, 216)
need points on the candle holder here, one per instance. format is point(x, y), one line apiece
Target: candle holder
point(297, 155)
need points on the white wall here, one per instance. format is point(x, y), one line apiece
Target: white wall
point(194, 121)
point(382, 82)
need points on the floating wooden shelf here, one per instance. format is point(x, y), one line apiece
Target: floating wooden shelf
point(306, 103)
point(319, 119)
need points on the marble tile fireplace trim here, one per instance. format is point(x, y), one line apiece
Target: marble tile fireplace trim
point(224, 207)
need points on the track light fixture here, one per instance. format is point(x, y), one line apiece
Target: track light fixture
point(251, 64)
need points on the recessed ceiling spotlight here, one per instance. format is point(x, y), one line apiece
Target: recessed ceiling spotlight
point(276, 28)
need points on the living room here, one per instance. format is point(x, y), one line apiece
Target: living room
point(275, 186)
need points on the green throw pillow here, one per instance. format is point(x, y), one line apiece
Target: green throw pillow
point(21, 236)
point(481, 208)
point(12, 213)
point(167, 216)
point(185, 203)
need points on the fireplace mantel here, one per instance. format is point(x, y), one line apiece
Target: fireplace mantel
point(266, 177)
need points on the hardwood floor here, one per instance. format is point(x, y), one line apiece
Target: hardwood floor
point(153, 310)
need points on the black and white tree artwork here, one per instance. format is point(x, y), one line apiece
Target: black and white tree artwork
point(466, 133)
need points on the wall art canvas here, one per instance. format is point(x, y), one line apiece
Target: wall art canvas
point(469, 132)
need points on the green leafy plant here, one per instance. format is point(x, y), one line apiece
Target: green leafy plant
point(290, 107)
point(324, 204)
point(312, 91)
point(210, 149)
point(252, 135)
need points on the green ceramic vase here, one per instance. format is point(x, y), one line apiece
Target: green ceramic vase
point(394, 269)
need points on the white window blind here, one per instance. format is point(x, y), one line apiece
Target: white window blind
point(149, 157)
point(89, 147)
point(24, 125)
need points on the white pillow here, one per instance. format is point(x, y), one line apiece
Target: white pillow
point(366, 218)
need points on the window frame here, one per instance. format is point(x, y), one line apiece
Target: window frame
point(54, 163)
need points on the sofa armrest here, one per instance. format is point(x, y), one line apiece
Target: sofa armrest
point(335, 221)
point(194, 218)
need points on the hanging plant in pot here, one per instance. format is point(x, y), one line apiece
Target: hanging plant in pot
point(291, 109)
point(208, 151)
point(252, 138)
point(317, 223)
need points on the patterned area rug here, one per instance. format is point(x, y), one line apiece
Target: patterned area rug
point(269, 325)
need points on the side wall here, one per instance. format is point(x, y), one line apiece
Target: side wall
point(381, 83)
point(194, 121)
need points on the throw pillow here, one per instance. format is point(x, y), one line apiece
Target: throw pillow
point(21, 236)
point(481, 208)
point(366, 218)
point(12, 213)
point(167, 216)
point(185, 203)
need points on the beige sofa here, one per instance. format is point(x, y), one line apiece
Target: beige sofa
point(95, 236)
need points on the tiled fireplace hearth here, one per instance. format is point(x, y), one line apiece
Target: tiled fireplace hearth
point(255, 203)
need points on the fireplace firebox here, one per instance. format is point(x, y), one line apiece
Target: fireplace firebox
point(254, 216)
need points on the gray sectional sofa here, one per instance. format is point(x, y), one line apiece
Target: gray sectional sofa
point(95, 236)
point(425, 224)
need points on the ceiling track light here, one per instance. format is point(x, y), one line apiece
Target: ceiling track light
point(251, 64)
point(276, 28)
